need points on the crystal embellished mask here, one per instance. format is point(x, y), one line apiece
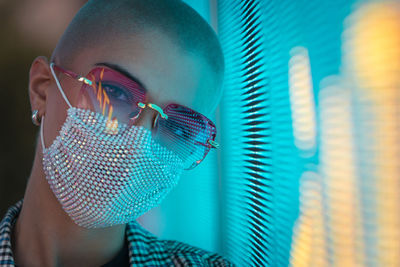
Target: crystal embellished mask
point(106, 175)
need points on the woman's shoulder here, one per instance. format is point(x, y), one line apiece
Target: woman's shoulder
point(147, 248)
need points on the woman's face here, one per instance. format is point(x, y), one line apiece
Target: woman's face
point(168, 73)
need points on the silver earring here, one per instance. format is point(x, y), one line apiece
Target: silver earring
point(35, 118)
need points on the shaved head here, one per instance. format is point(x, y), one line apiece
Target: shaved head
point(104, 20)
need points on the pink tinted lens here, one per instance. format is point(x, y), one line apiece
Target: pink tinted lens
point(186, 132)
point(113, 95)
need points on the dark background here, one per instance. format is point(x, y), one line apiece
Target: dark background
point(29, 28)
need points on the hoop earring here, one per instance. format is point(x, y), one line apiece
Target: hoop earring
point(35, 118)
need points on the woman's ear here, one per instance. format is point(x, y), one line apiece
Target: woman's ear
point(39, 83)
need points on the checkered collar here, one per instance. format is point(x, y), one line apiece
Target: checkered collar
point(6, 225)
point(144, 247)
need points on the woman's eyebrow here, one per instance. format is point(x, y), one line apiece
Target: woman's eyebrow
point(122, 71)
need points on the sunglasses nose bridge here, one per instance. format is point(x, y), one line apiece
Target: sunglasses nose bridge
point(147, 118)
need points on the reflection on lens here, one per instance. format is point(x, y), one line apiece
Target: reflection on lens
point(185, 132)
point(113, 95)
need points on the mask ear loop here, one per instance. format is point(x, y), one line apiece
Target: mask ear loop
point(62, 94)
point(59, 85)
point(41, 133)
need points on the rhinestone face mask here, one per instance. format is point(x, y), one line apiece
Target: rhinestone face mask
point(105, 177)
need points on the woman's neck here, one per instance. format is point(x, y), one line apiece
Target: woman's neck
point(44, 235)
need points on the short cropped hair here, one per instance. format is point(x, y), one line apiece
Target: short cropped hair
point(101, 19)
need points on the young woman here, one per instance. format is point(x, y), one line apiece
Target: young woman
point(122, 107)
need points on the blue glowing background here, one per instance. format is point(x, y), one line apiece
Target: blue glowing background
point(298, 179)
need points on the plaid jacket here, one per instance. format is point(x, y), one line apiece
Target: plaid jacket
point(145, 249)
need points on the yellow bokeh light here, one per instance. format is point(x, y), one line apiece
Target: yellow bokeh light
point(372, 41)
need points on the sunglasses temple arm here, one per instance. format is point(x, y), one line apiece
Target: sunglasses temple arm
point(73, 75)
point(210, 144)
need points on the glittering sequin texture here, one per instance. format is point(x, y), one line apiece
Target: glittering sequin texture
point(103, 177)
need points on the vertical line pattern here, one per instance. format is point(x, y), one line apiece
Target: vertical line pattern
point(246, 135)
